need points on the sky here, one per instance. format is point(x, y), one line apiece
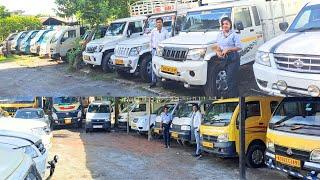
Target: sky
point(31, 7)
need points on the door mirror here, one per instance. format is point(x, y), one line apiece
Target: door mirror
point(239, 26)
point(177, 28)
point(129, 33)
point(283, 26)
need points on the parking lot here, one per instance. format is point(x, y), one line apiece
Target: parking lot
point(35, 77)
point(118, 155)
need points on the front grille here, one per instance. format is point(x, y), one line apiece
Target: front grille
point(135, 120)
point(97, 120)
point(91, 49)
point(296, 154)
point(176, 127)
point(176, 54)
point(66, 114)
point(209, 138)
point(9, 109)
point(122, 51)
point(298, 63)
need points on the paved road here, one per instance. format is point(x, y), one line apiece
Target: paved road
point(117, 155)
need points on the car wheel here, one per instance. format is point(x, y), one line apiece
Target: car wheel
point(255, 156)
point(106, 64)
point(145, 70)
point(216, 79)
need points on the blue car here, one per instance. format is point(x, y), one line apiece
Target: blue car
point(37, 40)
point(25, 43)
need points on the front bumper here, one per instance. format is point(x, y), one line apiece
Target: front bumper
point(41, 163)
point(189, 72)
point(157, 130)
point(225, 149)
point(35, 49)
point(298, 83)
point(181, 135)
point(308, 170)
point(66, 121)
point(92, 58)
point(130, 64)
point(122, 124)
point(54, 55)
point(98, 125)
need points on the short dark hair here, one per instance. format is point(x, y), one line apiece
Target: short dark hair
point(165, 107)
point(159, 19)
point(226, 19)
point(197, 106)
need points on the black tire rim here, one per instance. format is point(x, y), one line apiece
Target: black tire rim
point(257, 157)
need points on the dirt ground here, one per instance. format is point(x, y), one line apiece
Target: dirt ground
point(118, 155)
point(41, 77)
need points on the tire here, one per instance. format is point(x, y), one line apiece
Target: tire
point(255, 155)
point(105, 64)
point(145, 70)
point(215, 72)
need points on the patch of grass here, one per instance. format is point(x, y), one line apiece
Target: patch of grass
point(17, 58)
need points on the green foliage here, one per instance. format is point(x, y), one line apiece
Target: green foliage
point(74, 56)
point(4, 12)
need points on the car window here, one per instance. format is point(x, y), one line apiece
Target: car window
point(243, 14)
point(135, 27)
point(256, 17)
point(273, 105)
point(72, 34)
point(140, 108)
point(252, 109)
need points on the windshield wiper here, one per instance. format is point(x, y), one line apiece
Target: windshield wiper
point(308, 29)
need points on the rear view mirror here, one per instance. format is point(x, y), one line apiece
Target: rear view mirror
point(283, 26)
point(239, 26)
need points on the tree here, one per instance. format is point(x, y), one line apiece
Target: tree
point(4, 12)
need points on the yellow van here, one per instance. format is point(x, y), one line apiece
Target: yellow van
point(293, 138)
point(220, 128)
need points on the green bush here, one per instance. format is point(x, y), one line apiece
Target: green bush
point(74, 56)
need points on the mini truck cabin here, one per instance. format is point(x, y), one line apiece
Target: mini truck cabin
point(98, 116)
point(220, 129)
point(189, 57)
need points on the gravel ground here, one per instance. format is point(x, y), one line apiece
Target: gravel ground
point(118, 155)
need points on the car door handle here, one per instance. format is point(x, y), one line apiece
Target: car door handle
point(260, 123)
point(251, 30)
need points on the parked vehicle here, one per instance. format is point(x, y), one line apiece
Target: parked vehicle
point(173, 108)
point(100, 33)
point(35, 42)
point(189, 57)
point(63, 42)
point(30, 126)
point(17, 165)
point(15, 46)
point(67, 111)
point(45, 43)
point(288, 64)
point(32, 113)
point(293, 138)
point(6, 44)
point(133, 110)
point(98, 116)
point(99, 51)
point(182, 125)
point(11, 105)
point(220, 129)
point(25, 42)
point(29, 144)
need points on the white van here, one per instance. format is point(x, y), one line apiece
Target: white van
point(99, 51)
point(45, 44)
point(290, 64)
point(189, 57)
point(182, 124)
point(64, 41)
point(98, 116)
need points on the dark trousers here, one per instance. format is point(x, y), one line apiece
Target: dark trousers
point(232, 69)
point(166, 134)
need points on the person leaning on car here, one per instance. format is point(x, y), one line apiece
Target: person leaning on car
point(166, 119)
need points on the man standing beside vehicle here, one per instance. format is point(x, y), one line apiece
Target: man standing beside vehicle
point(157, 35)
point(196, 119)
point(166, 119)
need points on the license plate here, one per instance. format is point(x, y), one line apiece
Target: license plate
point(97, 126)
point(87, 58)
point(288, 161)
point(175, 135)
point(157, 131)
point(133, 126)
point(67, 121)
point(119, 61)
point(207, 144)
point(168, 69)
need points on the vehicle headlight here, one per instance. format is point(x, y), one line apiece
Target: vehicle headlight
point(315, 156)
point(159, 51)
point(196, 54)
point(54, 116)
point(185, 128)
point(223, 138)
point(79, 114)
point(40, 131)
point(135, 51)
point(29, 150)
point(100, 48)
point(263, 58)
point(270, 146)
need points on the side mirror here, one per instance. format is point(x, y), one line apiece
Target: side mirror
point(283, 26)
point(129, 33)
point(239, 26)
point(177, 28)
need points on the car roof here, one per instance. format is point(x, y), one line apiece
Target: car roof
point(100, 102)
point(313, 2)
point(29, 109)
point(15, 134)
point(222, 5)
point(9, 161)
point(134, 18)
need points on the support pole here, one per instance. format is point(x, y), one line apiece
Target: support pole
point(242, 161)
point(149, 121)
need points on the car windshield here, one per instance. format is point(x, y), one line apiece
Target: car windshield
point(25, 99)
point(307, 20)
point(220, 113)
point(161, 109)
point(297, 113)
point(185, 110)
point(47, 37)
point(31, 114)
point(116, 29)
point(56, 36)
point(95, 108)
point(167, 23)
point(65, 100)
point(205, 20)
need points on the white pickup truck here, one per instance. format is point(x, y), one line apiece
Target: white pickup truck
point(189, 57)
point(290, 64)
point(99, 51)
